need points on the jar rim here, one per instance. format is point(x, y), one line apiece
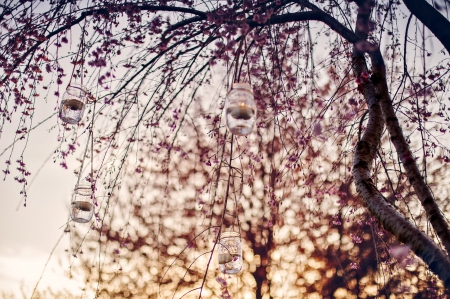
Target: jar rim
point(83, 185)
point(242, 85)
point(78, 86)
point(229, 235)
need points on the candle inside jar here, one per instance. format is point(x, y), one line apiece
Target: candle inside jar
point(83, 206)
point(241, 112)
point(73, 104)
point(226, 258)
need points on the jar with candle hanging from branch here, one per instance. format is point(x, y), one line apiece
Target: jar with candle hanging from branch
point(240, 109)
point(230, 253)
point(82, 207)
point(73, 104)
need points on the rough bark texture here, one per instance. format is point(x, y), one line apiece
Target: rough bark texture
point(389, 218)
point(365, 151)
point(412, 170)
point(401, 228)
point(431, 18)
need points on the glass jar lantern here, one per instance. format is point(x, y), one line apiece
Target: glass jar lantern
point(73, 104)
point(82, 208)
point(240, 109)
point(230, 253)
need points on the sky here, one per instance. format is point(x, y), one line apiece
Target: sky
point(29, 233)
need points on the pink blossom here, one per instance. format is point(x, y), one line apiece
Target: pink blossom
point(222, 281)
point(365, 75)
point(317, 130)
point(355, 238)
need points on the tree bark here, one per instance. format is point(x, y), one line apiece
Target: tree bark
point(387, 216)
point(365, 152)
point(398, 139)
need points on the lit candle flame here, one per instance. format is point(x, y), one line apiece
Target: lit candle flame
point(241, 112)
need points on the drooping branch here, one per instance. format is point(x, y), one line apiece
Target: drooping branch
point(396, 224)
point(423, 192)
point(431, 18)
point(316, 14)
point(388, 217)
point(180, 25)
point(92, 12)
point(412, 170)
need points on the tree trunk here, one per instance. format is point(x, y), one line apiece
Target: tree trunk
point(398, 139)
point(365, 152)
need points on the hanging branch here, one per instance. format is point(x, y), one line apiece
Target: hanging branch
point(217, 238)
point(431, 18)
point(365, 152)
point(422, 190)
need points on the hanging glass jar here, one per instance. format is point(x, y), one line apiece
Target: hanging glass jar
point(82, 207)
point(240, 109)
point(230, 253)
point(73, 104)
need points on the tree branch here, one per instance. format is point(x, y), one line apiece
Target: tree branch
point(431, 18)
point(374, 90)
point(87, 13)
point(387, 216)
point(398, 139)
point(315, 15)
